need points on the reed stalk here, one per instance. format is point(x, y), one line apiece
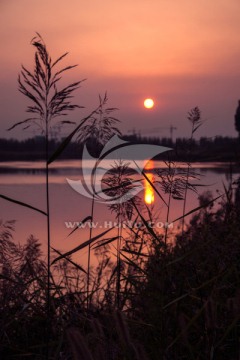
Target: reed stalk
point(194, 116)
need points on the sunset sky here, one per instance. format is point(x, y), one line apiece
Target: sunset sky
point(181, 53)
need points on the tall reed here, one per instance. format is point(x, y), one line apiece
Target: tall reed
point(41, 87)
point(194, 116)
point(180, 302)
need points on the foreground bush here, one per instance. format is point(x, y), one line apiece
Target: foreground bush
point(181, 303)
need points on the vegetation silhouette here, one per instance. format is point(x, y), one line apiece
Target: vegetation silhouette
point(167, 296)
point(219, 148)
point(237, 119)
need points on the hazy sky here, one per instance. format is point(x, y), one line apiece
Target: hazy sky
point(182, 53)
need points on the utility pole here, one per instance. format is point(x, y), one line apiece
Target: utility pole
point(171, 129)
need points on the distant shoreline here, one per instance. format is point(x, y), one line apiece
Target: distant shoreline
point(71, 165)
point(218, 149)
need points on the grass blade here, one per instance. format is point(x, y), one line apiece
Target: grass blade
point(82, 246)
point(197, 208)
point(150, 230)
point(71, 262)
point(67, 140)
point(22, 204)
point(105, 242)
point(81, 223)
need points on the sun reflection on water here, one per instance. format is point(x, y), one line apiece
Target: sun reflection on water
point(148, 189)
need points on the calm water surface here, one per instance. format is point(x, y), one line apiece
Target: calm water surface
point(25, 181)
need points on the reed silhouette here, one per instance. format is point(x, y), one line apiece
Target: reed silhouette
point(157, 296)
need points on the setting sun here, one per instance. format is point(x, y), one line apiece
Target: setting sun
point(148, 103)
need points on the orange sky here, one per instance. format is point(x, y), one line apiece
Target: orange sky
point(182, 53)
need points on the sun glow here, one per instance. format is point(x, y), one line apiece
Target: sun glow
point(148, 103)
point(149, 192)
point(149, 197)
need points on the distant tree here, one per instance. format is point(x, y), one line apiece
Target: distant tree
point(237, 119)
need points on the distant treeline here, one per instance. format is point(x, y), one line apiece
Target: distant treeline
point(33, 149)
point(218, 148)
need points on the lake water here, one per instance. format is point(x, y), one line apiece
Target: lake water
point(25, 181)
